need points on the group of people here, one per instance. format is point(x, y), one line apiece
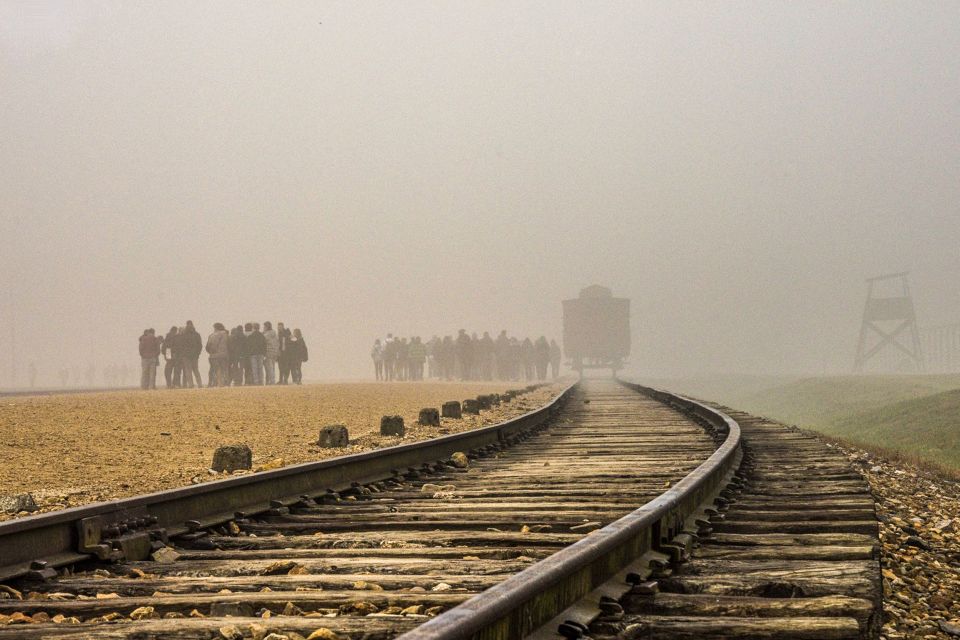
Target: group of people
point(466, 357)
point(245, 355)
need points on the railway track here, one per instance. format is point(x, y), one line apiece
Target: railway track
point(539, 533)
point(795, 554)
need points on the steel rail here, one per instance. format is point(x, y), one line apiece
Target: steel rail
point(57, 539)
point(524, 602)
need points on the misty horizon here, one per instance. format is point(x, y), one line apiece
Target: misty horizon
point(356, 169)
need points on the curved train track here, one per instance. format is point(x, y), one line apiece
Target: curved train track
point(614, 512)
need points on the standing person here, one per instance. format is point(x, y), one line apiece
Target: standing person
point(448, 357)
point(218, 346)
point(416, 356)
point(177, 352)
point(245, 354)
point(169, 362)
point(501, 349)
point(486, 349)
point(191, 347)
point(271, 353)
point(234, 347)
point(390, 357)
point(149, 359)
point(514, 359)
point(283, 335)
point(432, 368)
point(526, 358)
point(298, 355)
point(464, 354)
point(541, 357)
point(257, 348)
point(377, 354)
point(555, 356)
point(403, 359)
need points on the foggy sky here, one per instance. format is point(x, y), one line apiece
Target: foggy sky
point(352, 168)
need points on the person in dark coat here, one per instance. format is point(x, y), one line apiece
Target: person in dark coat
point(170, 359)
point(257, 348)
point(297, 350)
point(283, 359)
point(191, 346)
point(541, 357)
point(464, 354)
point(526, 358)
point(150, 346)
point(245, 354)
point(236, 348)
point(555, 357)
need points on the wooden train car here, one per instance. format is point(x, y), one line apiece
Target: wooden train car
point(596, 329)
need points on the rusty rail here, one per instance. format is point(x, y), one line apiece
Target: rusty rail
point(123, 529)
point(526, 601)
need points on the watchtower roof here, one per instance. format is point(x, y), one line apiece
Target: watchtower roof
point(596, 291)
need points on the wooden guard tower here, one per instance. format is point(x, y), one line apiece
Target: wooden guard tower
point(886, 318)
point(596, 330)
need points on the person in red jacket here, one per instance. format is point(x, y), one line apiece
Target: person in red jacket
point(149, 359)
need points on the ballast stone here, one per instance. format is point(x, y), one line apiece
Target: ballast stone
point(232, 457)
point(334, 436)
point(429, 417)
point(17, 503)
point(392, 426)
point(452, 409)
point(230, 609)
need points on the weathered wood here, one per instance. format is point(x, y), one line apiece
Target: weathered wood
point(779, 552)
point(273, 600)
point(395, 566)
point(724, 628)
point(244, 583)
point(440, 540)
point(868, 527)
point(375, 627)
point(791, 539)
point(681, 604)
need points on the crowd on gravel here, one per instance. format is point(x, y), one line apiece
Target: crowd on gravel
point(466, 357)
point(243, 356)
point(919, 513)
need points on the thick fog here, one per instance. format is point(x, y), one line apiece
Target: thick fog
point(737, 169)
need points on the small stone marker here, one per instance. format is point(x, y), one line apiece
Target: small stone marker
point(648, 588)
point(334, 436)
point(471, 406)
point(392, 426)
point(18, 503)
point(429, 417)
point(165, 555)
point(232, 457)
point(484, 402)
point(452, 410)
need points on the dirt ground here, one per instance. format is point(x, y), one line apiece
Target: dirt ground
point(69, 450)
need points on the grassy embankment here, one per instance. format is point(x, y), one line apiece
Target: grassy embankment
point(917, 416)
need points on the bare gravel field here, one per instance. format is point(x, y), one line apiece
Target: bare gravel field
point(69, 450)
